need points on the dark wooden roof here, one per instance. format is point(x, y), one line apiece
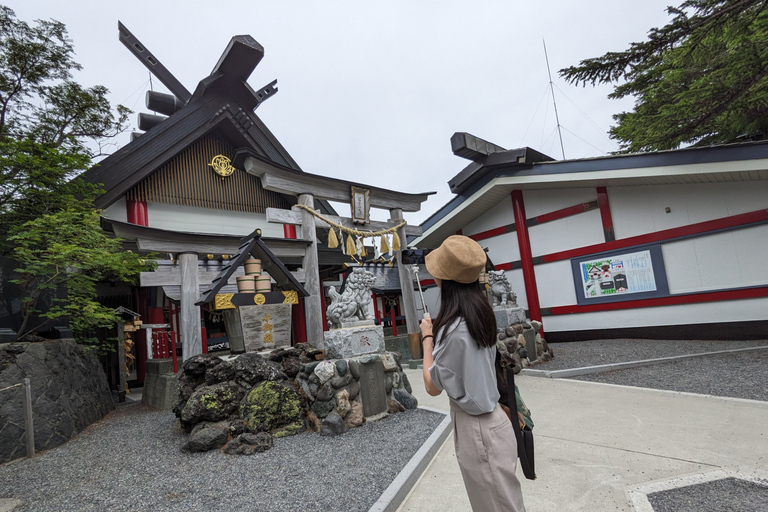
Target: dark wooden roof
point(148, 239)
point(222, 101)
point(252, 246)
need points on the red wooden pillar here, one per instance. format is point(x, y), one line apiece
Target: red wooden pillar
point(605, 214)
point(376, 309)
point(526, 257)
point(298, 324)
point(136, 212)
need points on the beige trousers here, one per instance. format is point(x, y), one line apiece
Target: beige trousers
point(487, 453)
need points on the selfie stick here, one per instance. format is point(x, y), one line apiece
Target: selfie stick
point(421, 294)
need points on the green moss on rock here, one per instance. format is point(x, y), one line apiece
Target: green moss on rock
point(290, 430)
point(270, 406)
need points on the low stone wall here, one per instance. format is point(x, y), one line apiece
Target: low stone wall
point(69, 392)
point(242, 403)
point(342, 393)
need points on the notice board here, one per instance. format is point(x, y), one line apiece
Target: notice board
point(629, 274)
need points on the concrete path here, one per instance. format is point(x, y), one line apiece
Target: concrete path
point(599, 446)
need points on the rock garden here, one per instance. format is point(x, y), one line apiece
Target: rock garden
point(241, 405)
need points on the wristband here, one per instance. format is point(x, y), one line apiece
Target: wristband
point(427, 336)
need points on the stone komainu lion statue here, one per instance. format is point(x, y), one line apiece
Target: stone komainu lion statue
point(354, 301)
point(501, 291)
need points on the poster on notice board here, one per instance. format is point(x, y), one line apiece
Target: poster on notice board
point(620, 276)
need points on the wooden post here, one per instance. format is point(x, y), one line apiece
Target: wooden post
point(28, 424)
point(191, 342)
point(122, 380)
point(312, 305)
point(150, 343)
point(406, 278)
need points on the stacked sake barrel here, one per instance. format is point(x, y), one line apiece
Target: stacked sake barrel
point(254, 280)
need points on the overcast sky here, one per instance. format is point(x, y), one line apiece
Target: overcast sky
point(372, 91)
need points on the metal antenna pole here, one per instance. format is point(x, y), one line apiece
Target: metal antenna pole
point(552, 88)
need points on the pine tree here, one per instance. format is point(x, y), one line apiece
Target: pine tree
point(699, 80)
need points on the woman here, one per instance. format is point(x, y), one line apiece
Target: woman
point(459, 358)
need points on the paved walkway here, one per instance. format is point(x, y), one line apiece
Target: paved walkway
point(599, 446)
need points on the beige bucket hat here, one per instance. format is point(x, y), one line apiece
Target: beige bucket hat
point(459, 258)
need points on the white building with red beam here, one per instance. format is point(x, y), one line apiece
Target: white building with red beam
point(669, 244)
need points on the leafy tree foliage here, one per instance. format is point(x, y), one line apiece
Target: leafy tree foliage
point(64, 255)
point(699, 80)
point(38, 98)
point(50, 126)
point(50, 129)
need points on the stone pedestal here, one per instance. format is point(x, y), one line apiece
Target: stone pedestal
point(352, 341)
point(506, 316)
point(234, 327)
point(345, 324)
point(161, 387)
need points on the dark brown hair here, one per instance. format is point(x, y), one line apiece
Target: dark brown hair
point(467, 301)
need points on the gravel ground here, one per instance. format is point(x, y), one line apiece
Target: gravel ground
point(740, 375)
point(131, 461)
point(724, 495)
point(577, 354)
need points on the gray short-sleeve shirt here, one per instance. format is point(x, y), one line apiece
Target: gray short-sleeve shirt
point(465, 371)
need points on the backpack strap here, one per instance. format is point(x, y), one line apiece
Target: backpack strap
point(523, 435)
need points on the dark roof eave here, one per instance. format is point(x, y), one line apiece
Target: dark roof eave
point(692, 155)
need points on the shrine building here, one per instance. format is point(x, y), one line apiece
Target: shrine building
point(665, 245)
point(194, 187)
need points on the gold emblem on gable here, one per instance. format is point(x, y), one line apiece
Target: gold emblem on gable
point(222, 166)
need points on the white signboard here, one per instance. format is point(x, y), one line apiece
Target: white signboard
point(618, 274)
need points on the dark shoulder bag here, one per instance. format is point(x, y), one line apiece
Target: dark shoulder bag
point(505, 379)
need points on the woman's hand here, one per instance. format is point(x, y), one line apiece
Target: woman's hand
point(427, 346)
point(425, 325)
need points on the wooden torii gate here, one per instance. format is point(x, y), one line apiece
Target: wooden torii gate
point(308, 187)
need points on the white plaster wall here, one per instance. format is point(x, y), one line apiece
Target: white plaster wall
point(640, 210)
point(207, 220)
point(495, 217)
point(538, 202)
point(515, 278)
point(722, 260)
point(555, 283)
point(117, 211)
point(708, 312)
point(502, 248)
point(567, 233)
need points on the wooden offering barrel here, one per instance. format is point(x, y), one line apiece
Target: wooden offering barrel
point(263, 283)
point(252, 267)
point(246, 284)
